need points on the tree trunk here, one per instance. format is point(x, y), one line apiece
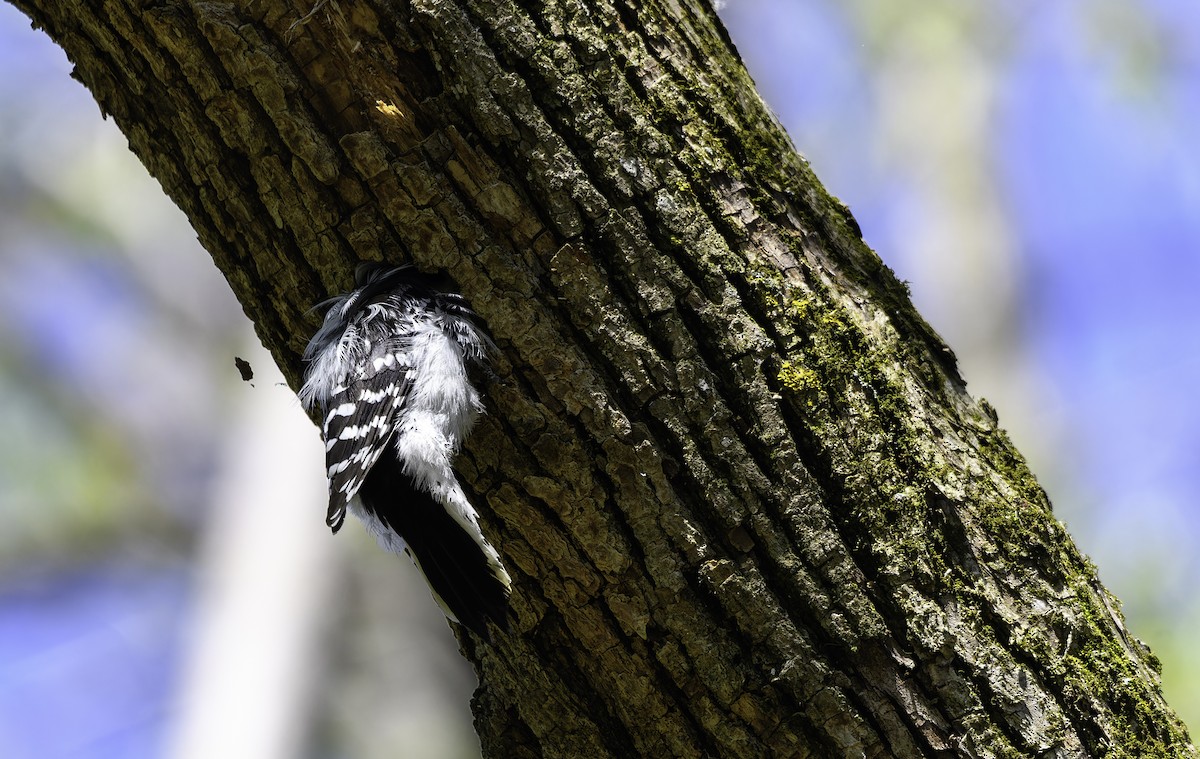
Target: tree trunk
point(749, 507)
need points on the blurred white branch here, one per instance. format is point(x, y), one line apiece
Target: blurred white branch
point(268, 568)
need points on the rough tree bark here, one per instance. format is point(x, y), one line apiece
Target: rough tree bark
point(750, 508)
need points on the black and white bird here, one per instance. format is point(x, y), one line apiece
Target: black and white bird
point(389, 370)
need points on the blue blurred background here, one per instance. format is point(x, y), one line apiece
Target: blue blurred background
point(1032, 169)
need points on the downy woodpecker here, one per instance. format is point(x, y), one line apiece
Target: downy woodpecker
point(388, 370)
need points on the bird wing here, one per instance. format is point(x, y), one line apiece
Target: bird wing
point(359, 420)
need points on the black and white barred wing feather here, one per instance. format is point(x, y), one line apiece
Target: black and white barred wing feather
point(359, 424)
point(389, 371)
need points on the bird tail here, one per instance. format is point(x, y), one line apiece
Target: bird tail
point(462, 569)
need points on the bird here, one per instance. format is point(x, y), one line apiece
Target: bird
point(390, 372)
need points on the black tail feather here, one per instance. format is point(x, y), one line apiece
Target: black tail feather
point(453, 564)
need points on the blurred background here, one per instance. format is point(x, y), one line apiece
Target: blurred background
point(167, 586)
